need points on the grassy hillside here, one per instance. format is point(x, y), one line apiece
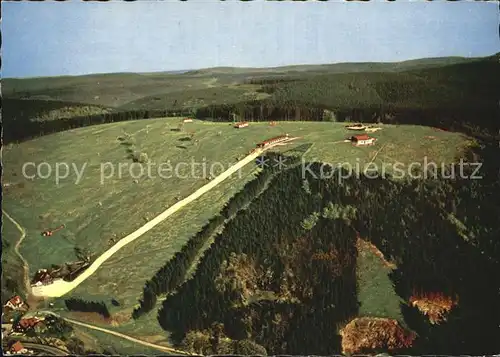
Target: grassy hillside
point(98, 208)
point(196, 98)
point(94, 214)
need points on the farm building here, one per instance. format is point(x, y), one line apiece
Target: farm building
point(42, 277)
point(187, 120)
point(273, 141)
point(17, 348)
point(27, 324)
point(361, 140)
point(240, 125)
point(15, 303)
point(357, 126)
point(372, 129)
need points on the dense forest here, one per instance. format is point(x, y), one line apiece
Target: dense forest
point(260, 284)
point(459, 97)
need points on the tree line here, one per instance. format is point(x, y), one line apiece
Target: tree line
point(173, 273)
point(469, 120)
point(81, 305)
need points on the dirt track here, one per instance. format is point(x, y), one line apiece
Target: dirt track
point(144, 343)
point(61, 287)
point(26, 279)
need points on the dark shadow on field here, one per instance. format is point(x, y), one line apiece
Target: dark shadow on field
point(186, 138)
point(81, 305)
point(175, 129)
point(181, 147)
point(128, 144)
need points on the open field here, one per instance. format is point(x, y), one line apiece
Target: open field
point(60, 287)
point(95, 340)
point(376, 291)
point(41, 204)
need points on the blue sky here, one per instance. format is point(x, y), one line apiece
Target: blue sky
point(61, 38)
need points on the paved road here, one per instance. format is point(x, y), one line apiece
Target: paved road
point(60, 287)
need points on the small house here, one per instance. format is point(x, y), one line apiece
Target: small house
point(187, 120)
point(240, 125)
point(15, 303)
point(17, 348)
point(362, 140)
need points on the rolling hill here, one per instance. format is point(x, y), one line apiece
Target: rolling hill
point(255, 263)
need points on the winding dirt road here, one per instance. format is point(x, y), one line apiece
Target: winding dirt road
point(26, 279)
point(126, 337)
point(60, 287)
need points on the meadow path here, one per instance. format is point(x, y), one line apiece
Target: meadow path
point(118, 334)
point(60, 287)
point(26, 279)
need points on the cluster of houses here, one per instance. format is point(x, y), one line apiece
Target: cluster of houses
point(17, 322)
point(17, 305)
point(356, 140)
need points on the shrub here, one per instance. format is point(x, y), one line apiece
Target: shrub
point(140, 157)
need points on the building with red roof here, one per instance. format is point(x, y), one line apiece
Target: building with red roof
point(362, 140)
point(17, 348)
point(240, 125)
point(15, 303)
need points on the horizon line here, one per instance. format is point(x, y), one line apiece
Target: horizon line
point(183, 71)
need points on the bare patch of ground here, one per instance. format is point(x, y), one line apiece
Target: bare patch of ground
point(434, 305)
point(364, 245)
point(91, 317)
point(374, 335)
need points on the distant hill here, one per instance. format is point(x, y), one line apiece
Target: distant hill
point(340, 67)
point(467, 89)
point(117, 89)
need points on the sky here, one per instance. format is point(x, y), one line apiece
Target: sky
point(71, 38)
